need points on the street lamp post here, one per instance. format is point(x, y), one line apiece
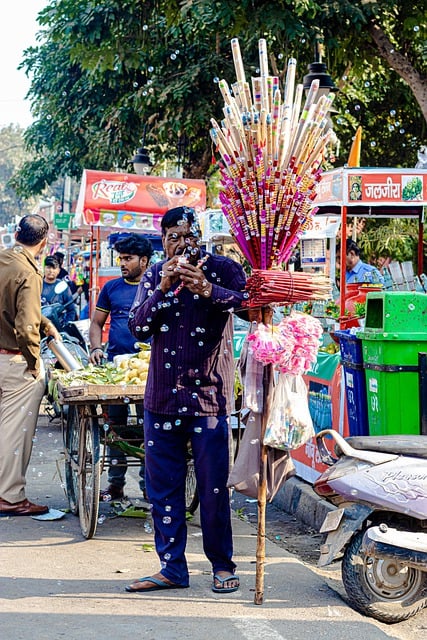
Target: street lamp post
point(141, 160)
point(317, 71)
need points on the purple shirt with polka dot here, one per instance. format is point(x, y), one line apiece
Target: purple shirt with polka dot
point(192, 365)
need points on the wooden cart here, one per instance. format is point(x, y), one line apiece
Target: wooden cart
point(85, 435)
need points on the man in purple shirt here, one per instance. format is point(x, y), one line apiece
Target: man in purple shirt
point(184, 303)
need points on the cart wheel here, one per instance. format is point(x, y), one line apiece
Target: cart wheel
point(191, 493)
point(89, 470)
point(71, 435)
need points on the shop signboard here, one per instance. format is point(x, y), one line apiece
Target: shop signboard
point(372, 186)
point(134, 202)
point(62, 221)
point(321, 227)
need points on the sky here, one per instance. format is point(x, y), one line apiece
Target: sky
point(18, 28)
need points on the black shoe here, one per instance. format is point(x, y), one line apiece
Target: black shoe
point(111, 493)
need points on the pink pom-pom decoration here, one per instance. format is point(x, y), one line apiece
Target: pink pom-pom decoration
point(265, 344)
point(291, 347)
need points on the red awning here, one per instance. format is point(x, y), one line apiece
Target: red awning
point(380, 192)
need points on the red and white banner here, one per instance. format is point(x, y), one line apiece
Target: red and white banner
point(359, 186)
point(130, 201)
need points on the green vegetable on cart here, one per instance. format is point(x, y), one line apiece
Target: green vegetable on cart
point(117, 442)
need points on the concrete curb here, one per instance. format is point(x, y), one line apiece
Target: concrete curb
point(297, 497)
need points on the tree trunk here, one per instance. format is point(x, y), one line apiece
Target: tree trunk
point(199, 169)
point(414, 79)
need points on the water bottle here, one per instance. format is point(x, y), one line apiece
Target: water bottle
point(63, 355)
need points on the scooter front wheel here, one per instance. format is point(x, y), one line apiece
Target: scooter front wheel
point(382, 588)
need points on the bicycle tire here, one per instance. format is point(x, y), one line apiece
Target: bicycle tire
point(71, 435)
point(191, 493)
point(89, 463)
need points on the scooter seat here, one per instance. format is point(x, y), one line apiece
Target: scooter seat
point(415, 446)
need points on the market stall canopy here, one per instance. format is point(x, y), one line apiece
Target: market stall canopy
point(130, 201)
point(377, 192)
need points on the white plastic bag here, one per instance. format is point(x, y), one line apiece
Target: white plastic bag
point(244, 476)
point(251, 375)
point(289, 423)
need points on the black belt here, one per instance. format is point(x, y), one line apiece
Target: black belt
point(391, 368)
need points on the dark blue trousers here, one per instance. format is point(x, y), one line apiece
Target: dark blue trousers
point(118, 415)
point(166, 439)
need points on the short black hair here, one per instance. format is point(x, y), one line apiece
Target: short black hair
point(173, 217)
point(59, 256)
point(31, 230)
point(51, 261)
point(352, 246)
point(135, 245)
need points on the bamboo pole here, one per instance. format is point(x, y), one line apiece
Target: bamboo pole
point(262, 486)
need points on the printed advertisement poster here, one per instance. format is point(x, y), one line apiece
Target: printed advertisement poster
point(130, 201)
point(359, 186)
point(326, 401)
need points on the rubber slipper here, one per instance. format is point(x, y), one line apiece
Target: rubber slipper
point(223, 581)
point(158, 585)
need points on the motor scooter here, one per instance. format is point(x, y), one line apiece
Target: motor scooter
point(56, 313)
point(379, 486)
point(72, 340)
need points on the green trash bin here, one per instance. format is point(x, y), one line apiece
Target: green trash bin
point(395, 332)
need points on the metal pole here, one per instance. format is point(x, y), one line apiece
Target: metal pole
point(343, 254)
point(420, 252)
point(422, 374)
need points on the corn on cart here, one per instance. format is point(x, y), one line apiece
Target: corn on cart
point(86, 433)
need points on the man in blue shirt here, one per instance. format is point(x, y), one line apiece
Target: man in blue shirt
point(115, 300)
point(358, 271)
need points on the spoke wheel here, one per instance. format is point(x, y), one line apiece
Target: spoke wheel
point(382, 588)
point(191, 493)
point(89, 470)
point(71, 442)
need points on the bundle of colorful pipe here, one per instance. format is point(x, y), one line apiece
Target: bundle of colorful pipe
point(272, 151)
point(274, 286)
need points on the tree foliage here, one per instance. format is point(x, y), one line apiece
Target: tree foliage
point(12, 155)
point(104, 69)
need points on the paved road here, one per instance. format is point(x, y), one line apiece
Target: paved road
point(54, 583)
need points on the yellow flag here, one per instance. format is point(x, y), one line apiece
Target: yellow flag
point(354, 155)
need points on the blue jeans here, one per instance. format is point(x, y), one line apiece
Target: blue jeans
point(118, 415)
point(166, 441)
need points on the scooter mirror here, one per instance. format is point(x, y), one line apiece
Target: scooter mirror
point(61, 287)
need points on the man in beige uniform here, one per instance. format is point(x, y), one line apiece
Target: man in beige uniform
point(22, 380)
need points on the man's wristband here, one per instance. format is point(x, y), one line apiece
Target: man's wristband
point(96, 349)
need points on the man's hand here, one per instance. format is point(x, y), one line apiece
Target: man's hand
point(97, 355)
point(169, 274)
point(51, 330)
point(194, 279)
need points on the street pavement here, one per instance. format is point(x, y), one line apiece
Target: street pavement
point(54, 583)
